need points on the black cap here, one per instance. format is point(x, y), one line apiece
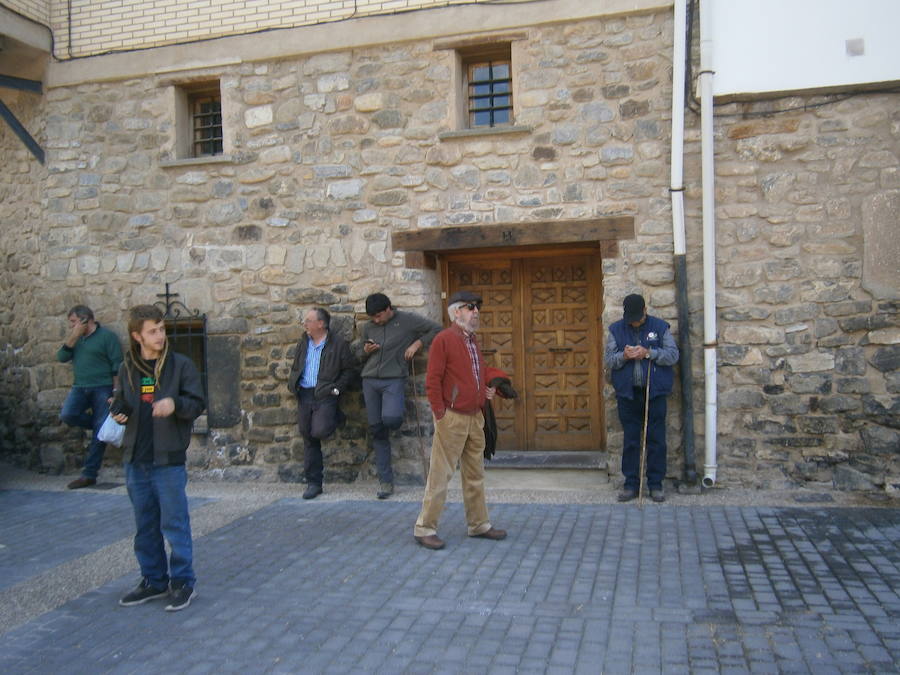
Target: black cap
point(463, 296)
point(377, 302)
point(634, 308)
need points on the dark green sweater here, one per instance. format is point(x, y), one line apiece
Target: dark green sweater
point(96, 358)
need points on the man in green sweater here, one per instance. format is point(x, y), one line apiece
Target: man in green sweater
point(390, 340)
point(96, 355)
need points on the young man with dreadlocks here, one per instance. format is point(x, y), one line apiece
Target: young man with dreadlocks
point(161, 395)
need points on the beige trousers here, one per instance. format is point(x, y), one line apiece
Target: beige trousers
point(457, 438)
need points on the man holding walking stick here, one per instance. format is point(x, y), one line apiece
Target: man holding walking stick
point(640, 352)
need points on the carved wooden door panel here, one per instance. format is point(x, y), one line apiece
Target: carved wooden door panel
point(541, 324)
point(561, 335)
point(499, 325)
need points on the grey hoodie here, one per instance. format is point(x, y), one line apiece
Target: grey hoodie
point(394, 337)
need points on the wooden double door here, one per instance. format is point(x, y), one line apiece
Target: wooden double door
point(540, 323)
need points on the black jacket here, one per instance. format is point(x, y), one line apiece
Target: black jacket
point(336, 369)
point(179, 381)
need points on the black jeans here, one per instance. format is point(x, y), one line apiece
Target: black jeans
point(317, 419)
point(631, 415)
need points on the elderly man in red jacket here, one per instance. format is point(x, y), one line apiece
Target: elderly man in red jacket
point(456, 383)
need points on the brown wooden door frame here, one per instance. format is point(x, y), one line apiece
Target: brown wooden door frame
point(594, 300)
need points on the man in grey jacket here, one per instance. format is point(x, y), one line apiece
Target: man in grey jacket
point(390, 340)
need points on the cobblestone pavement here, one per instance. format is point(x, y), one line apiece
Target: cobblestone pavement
point(340, 586)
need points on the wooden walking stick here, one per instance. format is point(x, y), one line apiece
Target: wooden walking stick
point(422, 454)
point(643, 463)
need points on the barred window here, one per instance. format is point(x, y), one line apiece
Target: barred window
point(489, 93)
point(206, 113)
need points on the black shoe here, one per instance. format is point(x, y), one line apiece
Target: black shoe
point(312, 491)
point(82, 482)
point(181, 598)
point(143, 593)
point(657, 495)
point(385, 490)
point(627, 495)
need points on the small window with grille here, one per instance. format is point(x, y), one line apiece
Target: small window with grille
point(187, 335)
point(199, 123)
point(490, 93)
point(488, 86)
point(206, 115)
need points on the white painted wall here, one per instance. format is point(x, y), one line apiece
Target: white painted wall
point(765, 46)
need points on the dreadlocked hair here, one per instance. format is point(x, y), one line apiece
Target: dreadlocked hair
point(134, 362)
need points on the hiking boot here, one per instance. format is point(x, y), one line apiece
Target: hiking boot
point(385, 490)
point(82, 482)
point(181, 597)
point(143, 593)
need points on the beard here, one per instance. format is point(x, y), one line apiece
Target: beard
point(471, 325)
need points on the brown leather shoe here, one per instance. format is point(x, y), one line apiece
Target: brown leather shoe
point(493, 533)
point(431, 541)
point(82, 482)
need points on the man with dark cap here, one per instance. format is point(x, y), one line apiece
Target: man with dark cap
point(390, 340)
point(456, 383)
point(639, 348)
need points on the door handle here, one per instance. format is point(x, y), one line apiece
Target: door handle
point(558, 350)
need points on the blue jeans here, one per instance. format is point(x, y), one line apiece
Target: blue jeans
point(631, 415)
point(75, 414)
point(161, 510)
point(385, 403)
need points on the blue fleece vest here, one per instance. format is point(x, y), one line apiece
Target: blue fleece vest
point(623, 379)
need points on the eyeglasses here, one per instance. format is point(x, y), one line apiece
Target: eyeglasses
point(472, 306)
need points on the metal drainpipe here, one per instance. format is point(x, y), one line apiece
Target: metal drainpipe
point(709, 242)
point(676, 190)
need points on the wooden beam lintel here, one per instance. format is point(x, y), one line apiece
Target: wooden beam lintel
point(440, 239)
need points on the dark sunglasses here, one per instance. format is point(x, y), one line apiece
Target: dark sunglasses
point(471, 306)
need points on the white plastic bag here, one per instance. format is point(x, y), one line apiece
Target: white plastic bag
point(111, 432)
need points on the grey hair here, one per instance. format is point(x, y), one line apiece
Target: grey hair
point(451, 310)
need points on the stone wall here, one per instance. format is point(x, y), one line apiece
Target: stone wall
point(21, 226)
point(333, 152)
point(809, 352)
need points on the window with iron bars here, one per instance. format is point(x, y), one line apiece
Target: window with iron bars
point(187, 336)
point(206, 114)
point(489, 86)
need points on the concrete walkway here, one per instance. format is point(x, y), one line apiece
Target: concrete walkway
point(719, 582)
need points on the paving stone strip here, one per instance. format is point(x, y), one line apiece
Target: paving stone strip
point(339, 586)
point(57, 546)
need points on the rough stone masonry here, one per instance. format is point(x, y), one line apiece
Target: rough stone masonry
point(332, 152)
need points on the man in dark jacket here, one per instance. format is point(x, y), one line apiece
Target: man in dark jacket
point(641, 347)
point(456, 382)
point(390, 340)
point(161, 395)
point(322, 369)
